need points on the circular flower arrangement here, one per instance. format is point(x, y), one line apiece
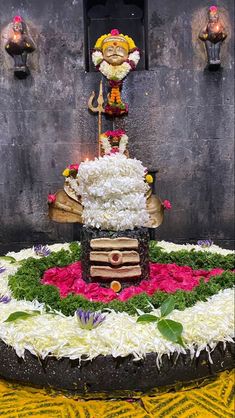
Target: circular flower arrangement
point(69, 318)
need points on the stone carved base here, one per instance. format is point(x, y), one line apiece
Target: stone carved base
point(115, 256)
point(111, 375)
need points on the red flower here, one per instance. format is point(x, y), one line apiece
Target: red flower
point(167, 204)
point(117, 132)
point(114, 151)
point(132, 64)
point(74, 167)
point(213, 9)
point(115, 32)
point(17, 19)
point(164, 277)
point(51, 198)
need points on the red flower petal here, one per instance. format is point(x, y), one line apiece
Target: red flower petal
point(164, 277)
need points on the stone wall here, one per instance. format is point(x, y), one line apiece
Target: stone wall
point(180, 121)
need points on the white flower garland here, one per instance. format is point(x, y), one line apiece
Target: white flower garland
point(107, 185)
point(104, 140)
point(123, 143)
point(115, 72)
point(107, 147)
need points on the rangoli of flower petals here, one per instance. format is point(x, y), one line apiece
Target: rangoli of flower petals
point(164, 277)
point(205, 323)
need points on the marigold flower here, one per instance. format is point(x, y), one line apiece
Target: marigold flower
point(115, 286)
point(66, 172)
point(167, 204)
point(149, 178)
point(51, 198)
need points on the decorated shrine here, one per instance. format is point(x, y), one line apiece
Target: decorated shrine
point(126, 311)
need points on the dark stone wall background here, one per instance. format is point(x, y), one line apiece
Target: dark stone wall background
point(180, 121)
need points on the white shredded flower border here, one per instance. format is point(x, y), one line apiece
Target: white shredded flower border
point(204, 325)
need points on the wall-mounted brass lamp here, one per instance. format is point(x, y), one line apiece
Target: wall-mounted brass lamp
point(19, 44)
point(213, 34)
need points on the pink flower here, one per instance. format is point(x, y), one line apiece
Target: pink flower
point(51, 198)
point(213, 9)
point(74, 167)
point(117, 132)
point(17, 19)
point(167, 204)
point(115, 32)
point(164, 277)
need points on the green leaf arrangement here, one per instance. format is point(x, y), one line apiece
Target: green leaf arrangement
point(26, 282)
point(21, 315)
point(170, 330)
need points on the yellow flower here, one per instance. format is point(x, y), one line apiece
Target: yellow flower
point(66, 172)
point(149, 178)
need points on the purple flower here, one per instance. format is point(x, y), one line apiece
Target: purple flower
point(5, 299)
point(42, 250)
point(2, 269)
point(89, 320)
point(205, 243)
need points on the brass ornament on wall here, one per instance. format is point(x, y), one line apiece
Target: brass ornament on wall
point(213, 34)
point(18, 45)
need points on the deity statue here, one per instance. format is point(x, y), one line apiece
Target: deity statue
point(213, 34)
point(19, 45)
point(115, 55)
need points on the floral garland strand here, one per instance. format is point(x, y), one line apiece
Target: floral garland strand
point(115, 73)
point(114, 141)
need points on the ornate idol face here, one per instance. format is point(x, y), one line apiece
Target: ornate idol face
point(115, 53)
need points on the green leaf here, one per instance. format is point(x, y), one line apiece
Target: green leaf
point(148, 318)
point(8, 258)
point(171, 330)
point(168, 306)
point(21, 315)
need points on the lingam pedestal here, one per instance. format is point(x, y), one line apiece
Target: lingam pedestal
point(120, 256)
